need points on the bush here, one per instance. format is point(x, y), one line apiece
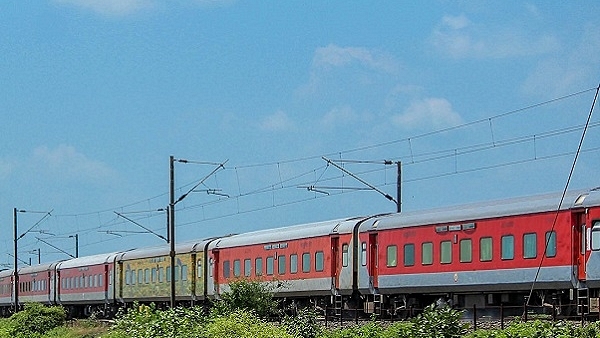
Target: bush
point(146, 321)
point(243, 324)
point(247, 295)
point(303, 325)
point(35, 320)
point(439, 323)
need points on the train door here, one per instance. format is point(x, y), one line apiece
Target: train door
point(215, 268)
point(335, 253)
point(373, 258)
point(121, 281)
point(580, 244)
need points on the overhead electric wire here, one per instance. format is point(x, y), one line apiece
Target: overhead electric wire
point(562, 198)
point(421, 157)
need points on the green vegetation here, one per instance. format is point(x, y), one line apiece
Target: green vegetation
point(244, 312)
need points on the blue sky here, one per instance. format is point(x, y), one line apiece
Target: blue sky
point(479, 100)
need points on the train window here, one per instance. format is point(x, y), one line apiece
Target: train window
point(306, 262)
point(199, 272)
point(140, 276)
point(177, 271)
point(100, 279)
point(508, 247)
point(363, 253)
point(344, 255)
point(237, 268)
point(146, 276)
point(392, 256)
point(530, 245)
point(445, 252)
point(184, 272)
point(81, 281)
point(427, 253)
point(153, 275)
point(595, 236)
point(583, 239)
point(466, 251)
point(319, 261)
point(247, 267)
point(409, 254)
point(270, 263)
point(485, 249)
point(161, 271)
point(225, 269)
point(293, 263)
point(258, 266)
point(281, 265)
point(168, 273)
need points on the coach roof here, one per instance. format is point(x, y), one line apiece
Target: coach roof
point(485, 210)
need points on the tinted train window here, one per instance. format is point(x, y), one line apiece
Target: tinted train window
point(146, 276)
point(237, 268)
point(345, 255)
point(293, 263)
point(409, 254)
point(319, 261)
point(595, 236)
point(270, 263)
point(199, 271)
point(392, 256)
point(226, 269)
point(427, 253)
point(161, 271)
point(363, 253)
point(485, 249)
point(508, 247)
point(184, 272)
point(281, 265)
point(529, 245)
point(168, 272)
point(306, 262)
point(153, 275)
point(466, 251)
point(247, 267)
point(127, 277)
point(139, 281)
point(446, 252)
point(258, 266)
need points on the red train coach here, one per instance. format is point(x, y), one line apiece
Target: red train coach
point(86, 285)
point(6, 291)
point(481, 255)
point(309, 260)
point(37, 284)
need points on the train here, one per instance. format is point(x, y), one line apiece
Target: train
point(542, 249)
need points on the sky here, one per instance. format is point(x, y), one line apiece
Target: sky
point(286, 112)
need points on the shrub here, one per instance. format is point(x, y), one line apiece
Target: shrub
point(249, 296)
point(146, 321)
point(303, 325)
point(35, 320)
point(439, 323)
point(243, 324)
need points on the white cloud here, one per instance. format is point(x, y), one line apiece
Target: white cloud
point(336, 56)
point(430, 112)
point(338, 116)
point(111, 7)
point(278, 121)
point(574, 69)
point(458, 37)
point(64, 161)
